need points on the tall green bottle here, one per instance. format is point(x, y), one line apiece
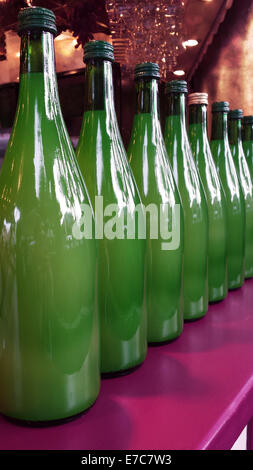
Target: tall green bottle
point(194, 203)
point(49, 355)
point(155, 181)
point(103, 162)
point(247, 141)
point(234, 196)
point(216, 202)
point(235, 140)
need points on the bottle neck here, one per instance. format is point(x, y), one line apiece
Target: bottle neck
point(234, 131)
point(98, 92)
point(220, 126)
point(176, 110)
point(37, 53)
point(147, 99)
point(247, 133)
point(198, 117)
point(38, 82)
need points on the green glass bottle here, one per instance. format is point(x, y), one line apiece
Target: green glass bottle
point(103, 162)
point(193, 200)
point(247, 141)
point(153, 175)
point(216, 202)
point(235, 140)
point(49, 355)
point(234, 197)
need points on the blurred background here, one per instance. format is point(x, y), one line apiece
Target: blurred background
point(209, 43)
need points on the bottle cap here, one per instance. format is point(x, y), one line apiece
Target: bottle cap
point(176, 86)
point(36, 18)
point(147, 69)
point(198, 98)
point(220, 106)
point(98, 49)
point(248, 120)
point(235, 114)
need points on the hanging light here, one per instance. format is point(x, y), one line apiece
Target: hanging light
point(190, 43)
point(179, 73)
point(150, 31)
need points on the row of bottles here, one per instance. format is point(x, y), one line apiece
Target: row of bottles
point(73, 306)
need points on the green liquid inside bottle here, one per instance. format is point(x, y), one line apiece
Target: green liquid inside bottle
point(216, 203)
point(49, 344)
point(234, 131)
point(155, 181)
point(234, 199)
point(103, 162)
point(194, 206)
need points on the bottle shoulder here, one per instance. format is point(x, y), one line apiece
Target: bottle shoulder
point(228, 172)
point(248, 144)
point(40, 174)
point(209, 175)
point(248, 152)
point(245, 177)
point(155, 179)
point(188, 179)
point(103, 160)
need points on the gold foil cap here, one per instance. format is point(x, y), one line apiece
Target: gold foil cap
point(198, 98)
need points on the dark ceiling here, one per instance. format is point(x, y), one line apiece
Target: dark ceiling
point(88, 17)
point(201, 21)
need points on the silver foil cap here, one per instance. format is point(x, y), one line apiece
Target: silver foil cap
point(198, 98)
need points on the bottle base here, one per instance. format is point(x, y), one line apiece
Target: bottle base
point(234, 287)
point(217, 295)
point(120, 373)
point(248, 276)
point(45, 424)
point(195, 318)
point(216, 301)
point(165, 341)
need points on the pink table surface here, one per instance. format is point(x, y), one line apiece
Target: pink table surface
point(194, 393)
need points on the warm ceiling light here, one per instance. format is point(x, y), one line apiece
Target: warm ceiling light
point(17, 54)
point(179, 72)
point(190, 43)
point(62, 36)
